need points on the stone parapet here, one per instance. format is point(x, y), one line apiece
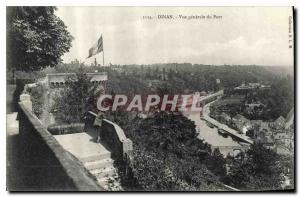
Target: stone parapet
point(60, 170)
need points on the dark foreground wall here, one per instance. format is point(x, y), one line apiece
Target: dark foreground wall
point(46, 164)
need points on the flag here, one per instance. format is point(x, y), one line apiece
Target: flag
point(97, 48)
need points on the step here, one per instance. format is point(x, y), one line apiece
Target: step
point(99, 164)
point(105, 181)
point(106, 155)
point(104, 173)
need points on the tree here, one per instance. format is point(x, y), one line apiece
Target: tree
point(36, 38)
point(152, 174)
point(72, 103)
point(258, 169)
point(216, 163)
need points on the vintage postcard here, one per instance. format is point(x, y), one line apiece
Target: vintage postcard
point(150, 99)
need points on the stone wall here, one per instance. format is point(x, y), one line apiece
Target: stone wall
point(58, 80)
point(48, 165)
point(63, 129)
point(113, 135)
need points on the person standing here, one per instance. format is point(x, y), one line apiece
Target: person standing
point(98, 122)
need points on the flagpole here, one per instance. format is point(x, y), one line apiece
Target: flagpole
point(103, 57)
point(103, 49)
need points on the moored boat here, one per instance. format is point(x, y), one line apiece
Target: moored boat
point(222, 132)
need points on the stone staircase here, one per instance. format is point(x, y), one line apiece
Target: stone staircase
point(95, 157)
point(101, 166)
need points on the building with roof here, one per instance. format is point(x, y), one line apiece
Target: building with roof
point(289, 121)
point(241, 123)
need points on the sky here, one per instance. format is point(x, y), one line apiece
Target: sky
point(237, 36)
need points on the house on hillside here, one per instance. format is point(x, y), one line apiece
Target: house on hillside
point(260, 129)
point(241, 123)
point(264, 127)
point(225, 118)
point(256, 107)
point(203, 93)
point(254, 85)
point(256, 124)
point(284, 138)
point(243, 88)
point(278, 124)
point(264, 139)
point(289, 121)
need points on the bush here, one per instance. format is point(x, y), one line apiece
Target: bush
point(169, 156)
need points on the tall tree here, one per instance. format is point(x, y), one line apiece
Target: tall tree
point(36, 38)
point(78, 97)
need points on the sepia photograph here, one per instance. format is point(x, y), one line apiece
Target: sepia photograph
point(143, 99)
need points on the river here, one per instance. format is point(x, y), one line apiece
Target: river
point(211, 135)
